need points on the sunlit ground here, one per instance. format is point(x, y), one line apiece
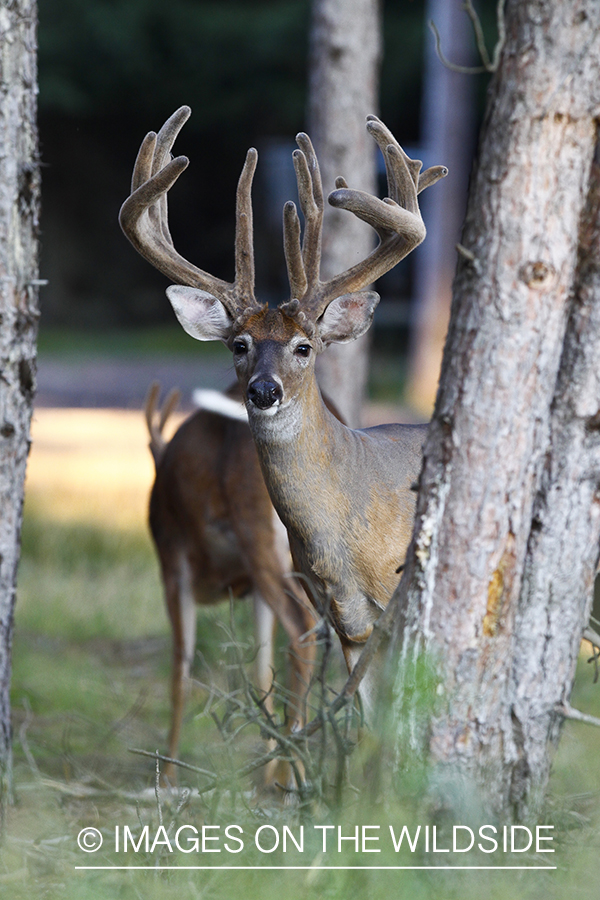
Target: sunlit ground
point(91, 466)
point(91, 664)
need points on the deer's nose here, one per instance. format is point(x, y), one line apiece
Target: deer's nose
point(264, 394)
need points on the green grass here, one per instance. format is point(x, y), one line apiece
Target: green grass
point(168, 339)
point(92, 642)
point(90, 680)
point(79, 581)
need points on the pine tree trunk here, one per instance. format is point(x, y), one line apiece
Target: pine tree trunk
point(562, 553)
point(498, 578)
point(343, 89)
point(19, 222)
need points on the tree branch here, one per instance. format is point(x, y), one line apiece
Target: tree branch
point(488, 65)
point(566, 710)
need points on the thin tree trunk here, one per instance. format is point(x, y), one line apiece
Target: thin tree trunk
point(447, 133)
point(19, 219)
point(343, 89)
point(468, 598)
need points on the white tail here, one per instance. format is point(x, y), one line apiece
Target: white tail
point(346, 497)
point(215, 401)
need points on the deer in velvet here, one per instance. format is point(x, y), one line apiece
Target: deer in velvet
point(345, 496)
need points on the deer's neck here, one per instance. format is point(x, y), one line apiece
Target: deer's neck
point(300, 449)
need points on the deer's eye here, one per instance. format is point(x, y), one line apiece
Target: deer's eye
point(240, 348)
point(303, 350)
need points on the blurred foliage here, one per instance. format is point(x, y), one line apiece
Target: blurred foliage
point(243, 61)
point(154, 341)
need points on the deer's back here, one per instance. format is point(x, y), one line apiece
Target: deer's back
point(208, 494)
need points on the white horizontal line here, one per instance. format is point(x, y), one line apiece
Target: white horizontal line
point(315, 868)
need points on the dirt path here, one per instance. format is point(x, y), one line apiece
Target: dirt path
point(122, 383)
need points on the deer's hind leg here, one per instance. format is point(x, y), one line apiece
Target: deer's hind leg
point(181, 607)
point(278, 591)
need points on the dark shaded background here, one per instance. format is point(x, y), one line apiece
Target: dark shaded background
point(111, 70)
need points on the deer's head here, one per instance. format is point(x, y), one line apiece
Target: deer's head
point(274, 350)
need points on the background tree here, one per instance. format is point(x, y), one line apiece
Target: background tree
point(19, 218)
point(498, 580)
point(345, 55)
point(448, 133)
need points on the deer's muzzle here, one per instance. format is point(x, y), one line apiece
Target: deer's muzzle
point(265, 394)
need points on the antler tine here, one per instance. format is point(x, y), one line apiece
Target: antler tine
point(310, 194)
point(154, 153)
point(396, 219)
point(304, 263)
point(169, 406)
point(167, 136)
point(430, 176)
point(142, 168)
point(244, 243)
point(162, 154)
point(293, 251)
point(386, 141)
point(144, 219)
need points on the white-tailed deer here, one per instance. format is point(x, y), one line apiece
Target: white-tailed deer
point(346, 497)
point(216, 532)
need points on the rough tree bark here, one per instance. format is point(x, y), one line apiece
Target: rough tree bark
point(496, 587)
point(345, 51)
point(19, 220)
point(562, 553)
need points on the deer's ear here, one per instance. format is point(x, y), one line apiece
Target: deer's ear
point(200, 314)
point(347, 317)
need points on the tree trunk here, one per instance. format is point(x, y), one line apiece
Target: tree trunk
point(562, 554)
point(345, 49)
point(19, 221)
point(498, 578)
